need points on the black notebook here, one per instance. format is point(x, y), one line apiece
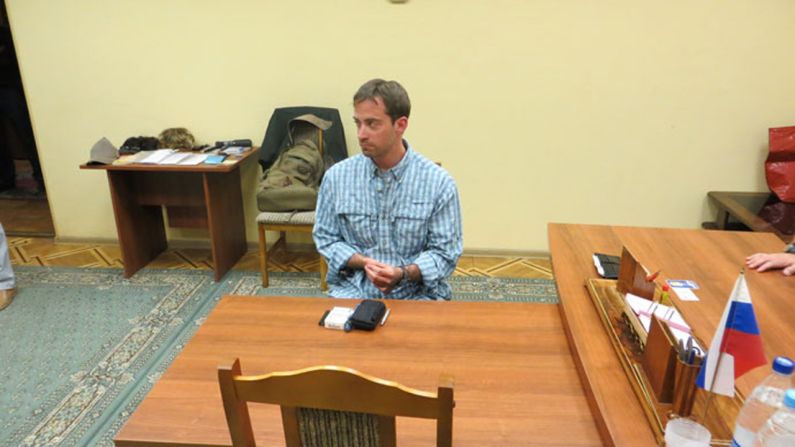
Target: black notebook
point(607, 265)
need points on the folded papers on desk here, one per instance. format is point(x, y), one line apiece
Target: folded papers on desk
point(234, 150)
point(154, 157)
point(193, 159)
point(164, 157)
point(644, 309)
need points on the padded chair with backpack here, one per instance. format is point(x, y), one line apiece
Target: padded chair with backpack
point(301, 143)
point(291, 183)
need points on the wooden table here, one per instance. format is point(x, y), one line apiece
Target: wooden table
point(712, 258)
point(757, 211)
point(200, 196)
point(515, 381)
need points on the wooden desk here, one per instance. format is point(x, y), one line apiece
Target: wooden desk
point(201, 196)
point(711, 258)
point(757, 211)
point(515, 381)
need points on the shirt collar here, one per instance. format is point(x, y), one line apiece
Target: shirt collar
point(397, 171)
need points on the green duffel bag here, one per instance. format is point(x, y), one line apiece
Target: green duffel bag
point(291, 184)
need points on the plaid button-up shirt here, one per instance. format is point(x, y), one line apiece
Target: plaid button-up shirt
point(409, 214)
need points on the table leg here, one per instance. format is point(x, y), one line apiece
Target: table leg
point(142, 235)
point(227, 228)
point(723, 218)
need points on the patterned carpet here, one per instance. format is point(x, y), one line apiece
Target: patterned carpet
point(80, 348)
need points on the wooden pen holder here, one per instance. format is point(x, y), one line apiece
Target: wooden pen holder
point(684, 388)
point(659, 360)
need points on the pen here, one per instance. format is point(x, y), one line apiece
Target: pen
point(691, 356)
point(694, 356)
point(697, 356)
point(680, 350)
point(386, 315)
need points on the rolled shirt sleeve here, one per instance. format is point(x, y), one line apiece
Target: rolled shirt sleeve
point(445, 243)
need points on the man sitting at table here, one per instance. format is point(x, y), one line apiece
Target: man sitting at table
point(770, 261)
point(388, 220)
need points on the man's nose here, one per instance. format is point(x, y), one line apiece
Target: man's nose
point(361, 133)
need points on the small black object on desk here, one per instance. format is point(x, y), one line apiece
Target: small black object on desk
point(367, 315)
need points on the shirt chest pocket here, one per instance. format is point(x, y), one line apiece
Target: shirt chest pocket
point(358, 225)
point(410, 223)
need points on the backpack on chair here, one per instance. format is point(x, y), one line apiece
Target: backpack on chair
point(291, 183)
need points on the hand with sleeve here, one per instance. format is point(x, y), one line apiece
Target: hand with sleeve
point(383, 276)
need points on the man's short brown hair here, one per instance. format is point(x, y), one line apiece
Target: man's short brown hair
point(395, 98)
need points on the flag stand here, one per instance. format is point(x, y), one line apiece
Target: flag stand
point(710, 394)
point(732, 341)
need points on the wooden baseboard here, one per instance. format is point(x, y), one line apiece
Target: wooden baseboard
point(506, 253)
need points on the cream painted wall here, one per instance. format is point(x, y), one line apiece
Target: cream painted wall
point(615, 112)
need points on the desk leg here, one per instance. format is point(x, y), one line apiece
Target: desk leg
point(142, 235)
point(225, 219)
point(722, 220)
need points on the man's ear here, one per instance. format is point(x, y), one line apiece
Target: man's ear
point(401, 124)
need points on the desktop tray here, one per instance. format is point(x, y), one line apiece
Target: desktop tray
point(722, 410)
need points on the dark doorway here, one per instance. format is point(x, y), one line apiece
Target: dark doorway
point(24, 210)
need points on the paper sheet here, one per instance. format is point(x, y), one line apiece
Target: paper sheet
point(193, 159)
point(157, 157)
point(644, 308)
point(174, 159)
point(685, 294)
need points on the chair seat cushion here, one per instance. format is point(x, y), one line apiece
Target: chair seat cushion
point(289, 218)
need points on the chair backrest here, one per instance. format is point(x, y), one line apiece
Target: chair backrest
point(361, 408)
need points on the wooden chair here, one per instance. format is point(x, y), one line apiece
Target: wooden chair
point(283, 222)
point(300, 222)
point(361, 408)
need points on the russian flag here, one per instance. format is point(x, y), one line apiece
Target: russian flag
point(736, 347)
